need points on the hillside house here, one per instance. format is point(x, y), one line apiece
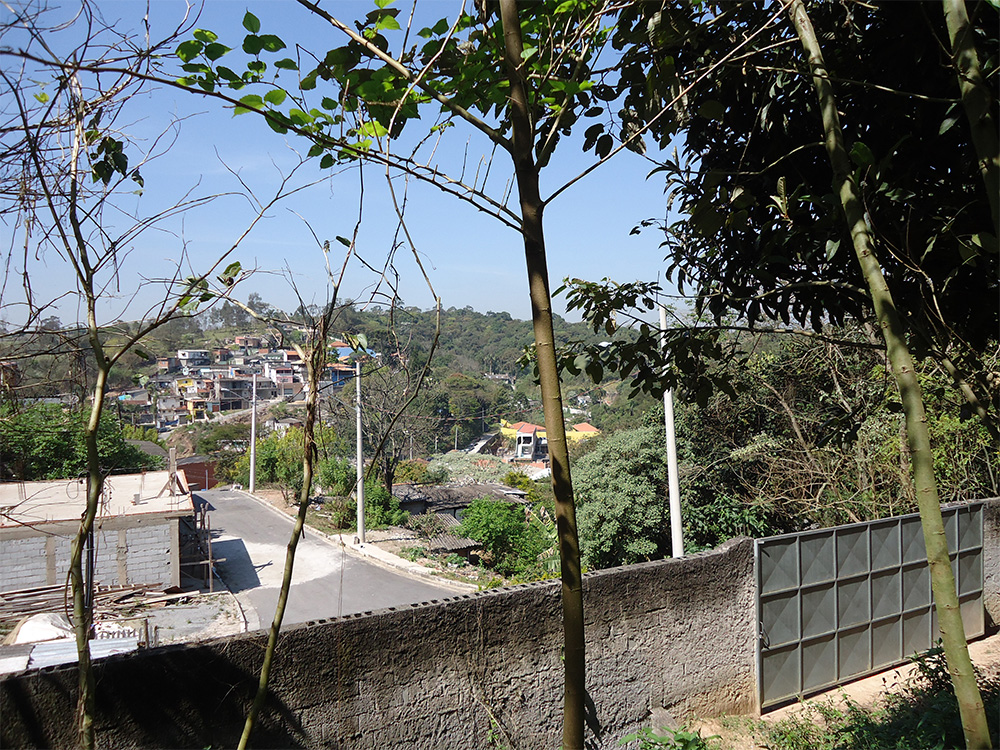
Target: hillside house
point(194, 357)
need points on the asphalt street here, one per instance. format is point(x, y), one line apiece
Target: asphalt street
point(327, 580)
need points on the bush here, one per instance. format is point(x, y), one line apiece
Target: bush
point(426, 525)
point(337, 476)
point(513, 545)
point(382, 508)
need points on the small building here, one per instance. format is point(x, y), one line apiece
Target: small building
point(249, 342)
point(283, 425)
point(136, 533)
point(194, 357)
point(167, 364)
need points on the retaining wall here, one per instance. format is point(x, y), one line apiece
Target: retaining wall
point(991, 562)
point(665, 640)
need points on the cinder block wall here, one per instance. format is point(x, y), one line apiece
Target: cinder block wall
point(130, 550)
point(664, 640)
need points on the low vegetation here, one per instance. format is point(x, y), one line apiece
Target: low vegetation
point(919, 714)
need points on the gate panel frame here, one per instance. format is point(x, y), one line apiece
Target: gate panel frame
point(837, 604)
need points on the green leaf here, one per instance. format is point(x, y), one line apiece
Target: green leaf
point(215, 51)
point(206, 36)
point(325, 163)
point(712, 110)
point(42, 97)
point(947, 124)
point(251, 23)
point(383, 3)
point(299, 117)
point(272, 43)
point(343, 241)
point(189, 50)
point(250, 102)
point(373, 128)
point(832, 246)
point(309, 82)
point(252, 44)
point(275, 125)
point(287, 64)
point(387, 22)
point(861, 155)
point(275, 97)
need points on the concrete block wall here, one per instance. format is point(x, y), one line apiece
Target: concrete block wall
point(22, 563)
point(149, 554)
point(664, 640)
point(129, 551)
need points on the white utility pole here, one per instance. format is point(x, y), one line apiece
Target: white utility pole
point(676, 529)
point(361, 459)
point(253, 437)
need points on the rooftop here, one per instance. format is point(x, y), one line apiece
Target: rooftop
point(29, 503)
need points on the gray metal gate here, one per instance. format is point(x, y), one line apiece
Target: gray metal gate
point(836, 604)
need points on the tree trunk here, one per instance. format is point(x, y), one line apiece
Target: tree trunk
point(921, 458)
point(83, 609)
point(315, 361)
point(541, 317)
point(976, 99)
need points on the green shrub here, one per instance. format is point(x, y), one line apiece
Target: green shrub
point(337, 476)
point(381, 507)
point(673, 739)
point(513, 545)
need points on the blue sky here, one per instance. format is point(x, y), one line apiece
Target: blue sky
point(471, 259)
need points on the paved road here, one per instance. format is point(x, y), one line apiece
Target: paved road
point(327, 580)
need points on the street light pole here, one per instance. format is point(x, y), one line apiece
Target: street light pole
point(676, 529)
point(253, 437)
point(361, 460)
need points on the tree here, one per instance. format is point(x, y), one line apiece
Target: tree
point(513, 544)
point(902, 198)
point(622, 490)
point(395, 415)
point(69, 174)
point(970, 702)
point(533, 92)
point(47, 442)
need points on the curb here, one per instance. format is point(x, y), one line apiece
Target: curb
point(373, 553)
point(388, 560)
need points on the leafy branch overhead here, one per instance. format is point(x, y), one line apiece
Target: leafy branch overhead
point(458, 65)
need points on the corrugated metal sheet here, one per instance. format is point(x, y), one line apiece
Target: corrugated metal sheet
point(63, 651)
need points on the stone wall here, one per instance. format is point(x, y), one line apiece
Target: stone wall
point(130, 550)
point(665, 640)
point(991, 562)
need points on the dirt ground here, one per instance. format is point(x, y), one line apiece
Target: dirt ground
point(743, 733)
